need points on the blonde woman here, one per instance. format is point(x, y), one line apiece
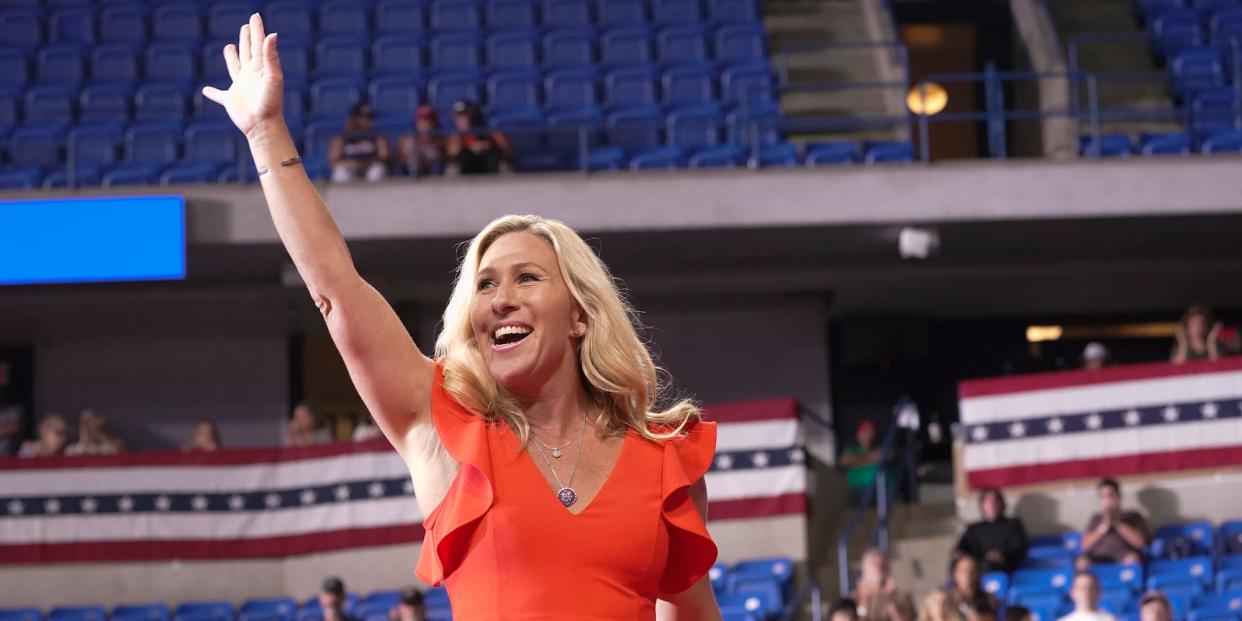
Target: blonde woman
point(553, 488)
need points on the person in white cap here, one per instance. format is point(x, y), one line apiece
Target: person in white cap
point(1094, 356)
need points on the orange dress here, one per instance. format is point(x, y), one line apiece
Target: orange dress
point(505, 547)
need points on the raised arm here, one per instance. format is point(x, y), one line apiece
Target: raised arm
point(392, 376)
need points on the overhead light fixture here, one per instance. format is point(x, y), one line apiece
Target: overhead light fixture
point(1037, 334)
point(927, 99)
point(917, 243)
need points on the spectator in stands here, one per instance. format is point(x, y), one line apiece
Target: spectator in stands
point(332, 600)
point(1019, 613)
point(206, 438)
point(93, 437)
point(304, 428)
point(422, 153)
point(1113, 535)
point(1085, 592)
point(53, 436)
point(360, 151)
point(936, 607)
point(845, 609)
point(1198, 335)
point(366, 430)
point(473, 149)
point(1094, 356)
point(410, 607)
point(860, 461)
point(997, 541)
point(966, 594)
point(877, 594)
point(1155, 607)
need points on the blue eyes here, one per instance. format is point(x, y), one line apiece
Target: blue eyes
point(488, 283)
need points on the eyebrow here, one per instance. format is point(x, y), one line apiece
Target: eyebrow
point(516, 266)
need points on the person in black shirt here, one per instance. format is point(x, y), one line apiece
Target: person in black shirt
point(997, 542)
point(332, 600)
point(474, 149)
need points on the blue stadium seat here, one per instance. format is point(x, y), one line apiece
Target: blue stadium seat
point(1228, 600)
point(566, 13)
point(455, 52)
point(737, 614)
point(319, 133)
point(83, 176)
point(131, 175)
point(631, 86)
point(49, 103)
point(1196, 614)
point(115, 62)
point(214, 69)
point(10, 103)
point(844, 152)
point(888, 152)
point(569, 47)
point(14, 70)
point(511, 14)
point(630, 45)
point(611, 13)
point(95, 143)
point(20, 27)
point(141, 612)
point(571, 88)
point(396, 54)
point(1183, 540)
point(122, 23)
point(208, 110)
point(542, 161)
point(733, 11)
point(634, 130)
point(1147, 9)
point(455, 15)
point(1226, 142)
point(248, 174)
point(404, 16)
point(77, 613)
point(1129, 576)
point(738, 43)
point(282, 608)
point(177, 21)
point(159, 102)
point(1118, 601)
point(444, 89)
point(681, 44)
point(1034, 596)
point(74, 24)
point(1046, 578)
point(1068, 541)
point(1175, 31)
point(1226, 28)
point(213, 142)
point(1213, 111)
point(1109, 145)
point(688, 84)
point(568, 128)
point(694, 127)
point(1196, 69)
point(604, 159)
point(37, 144)
point(225, 19)
point(204, 611)
point(21, 614)
point(760, 583)
point(395, 95)
point(152, 143)
point(751, 82)
point(515, 89)
point(59, 64)
point(295, 60)
point(754, 603)
point(291, 18)
point(835, 153)
point(523, 127)
point(779, 567)
point(171, 62)
point(1231, 538)
point(334, 96)
point(1196, 568)
point(1208, 8)
point(668, 158)
point(760, 123)
point(20, 178)
point(340, 55)
point(196, 172)
point(513, 50)
point(667, 12)
point(343, 17)
point(719, 156)
point(388, 597)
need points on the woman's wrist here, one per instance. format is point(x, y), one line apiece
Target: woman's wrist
point(267, 131)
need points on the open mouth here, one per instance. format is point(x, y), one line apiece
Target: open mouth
point(508, 337)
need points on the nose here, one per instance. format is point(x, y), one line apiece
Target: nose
point(504, 300)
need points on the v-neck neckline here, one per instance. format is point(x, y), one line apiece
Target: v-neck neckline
point(552, 496)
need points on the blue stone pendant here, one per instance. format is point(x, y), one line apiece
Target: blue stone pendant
point(568, 496)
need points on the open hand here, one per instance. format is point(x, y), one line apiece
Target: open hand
point(257, 93)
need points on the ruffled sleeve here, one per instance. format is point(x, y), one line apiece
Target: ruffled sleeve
point(691, 551)
point(450, 525)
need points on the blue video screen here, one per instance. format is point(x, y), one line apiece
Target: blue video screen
point(77, 240)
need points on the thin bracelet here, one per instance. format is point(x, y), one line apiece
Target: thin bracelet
point(289, 162)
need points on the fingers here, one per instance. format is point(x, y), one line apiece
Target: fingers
point(243, 45)
point(232, 61)
point(214, 94)
point(256, 40)
point(271, 59)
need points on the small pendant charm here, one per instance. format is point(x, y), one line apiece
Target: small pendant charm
point(556, 453)
point(568, 496)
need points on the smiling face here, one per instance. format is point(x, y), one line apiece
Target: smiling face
point(523, 316)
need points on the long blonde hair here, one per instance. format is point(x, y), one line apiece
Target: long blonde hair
point(620, 378)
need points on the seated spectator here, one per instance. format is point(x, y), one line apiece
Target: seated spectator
point(360, 151)
point(1155, 607)
point(966, 594)
point(473, 149)
point(1197, 335)
point(304, 428)
point(206, 438)
point(998, 542)
point(53, 436)
point(93, 438)
point(366, 430)
point(332, 600)
point(1113, 535)
point(845, 609)
point(1085, 592)
point(422, 154)
point(410, 607)
point(860, 461)
point(1018, 613)
point(877, 594)
point(1094, 356)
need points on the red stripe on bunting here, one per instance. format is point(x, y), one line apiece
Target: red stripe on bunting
point(1069, 379)
point(1138, 463)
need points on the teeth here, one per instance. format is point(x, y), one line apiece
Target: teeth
point(505, 330)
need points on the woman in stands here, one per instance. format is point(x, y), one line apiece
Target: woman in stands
point(552, 487)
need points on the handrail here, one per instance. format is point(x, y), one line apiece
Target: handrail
point(878, 493)
point(782, 55)
point(816, 595)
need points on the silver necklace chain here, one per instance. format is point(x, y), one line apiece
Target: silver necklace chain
point(556, 450)
point(566, 493)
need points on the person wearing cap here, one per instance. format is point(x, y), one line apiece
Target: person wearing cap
point(1094, 356)
point(473, 149)
point(422, 153)
point(332, 600)
point(860, 461)
point(360, 151)
point(410, 607)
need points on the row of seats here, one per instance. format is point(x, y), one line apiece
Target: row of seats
point(1171, 541)
point(769, 155)
point(134, 22)
point(1176, 29)
point(753, 590)
point(1171, 143)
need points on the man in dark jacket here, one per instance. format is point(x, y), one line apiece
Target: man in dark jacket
point(997, 542)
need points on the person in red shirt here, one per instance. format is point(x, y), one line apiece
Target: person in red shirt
point(422, 153)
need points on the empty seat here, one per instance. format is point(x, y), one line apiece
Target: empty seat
point(610, 13)
point(1175, 31)
point(395, 95)
point(195, 172)
point(159, 102)
point(629, 45)
point(319, 134)
point(569, 47)
point(688, 84)
point(755, 124)
point(681, 44)
point(398, 16)
point(396, 53)
point(334, 96)
point(668, 12)
point(515, 89)
point(141, 612)
point(9, 105)
point(340, 55)
point(572, 131)
point(343, 17)
point(511, 14)
point(749, 82)
point(845, 152)
point(694, 127)
point(1225, 26)
point(152, 143)
point(455, 52)
point(77, 613)
point(1196, 69)
point(37, 144)
point(213, 142)
point(1213, 110)
point(888, 151)
point(779, 567)
point(20, 27)
point(762, 583)
point(74, 25)
point(630, 86)
point(455, 15)
point(49, 103)
point(204, 611)
point(444, 89)
point(1108, 145)
point(131, 175)
point(635, 129)
point(295, 103)
point(571, 88)
point(104, 102)
point(566, 13)
point(214, 68)
point(59, 64)
point(736, 43)
point(513, 50)
point(660, 158)
point(291, 18)
point(86, 175)
point(1119, 575)
point(170, 61)
point(122, 23)
point(603, 159)
point(282, 608)
point(1183, 540)
point(523, 127)
point(115, 62)
point(1197, 569)
point(14, 70)
point(176, 21)
point(733, 11)
point(541, 161)
point(719, 156)
point(295, 61)
point(1172, 143)
point(21, 178)
point(225, 19)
